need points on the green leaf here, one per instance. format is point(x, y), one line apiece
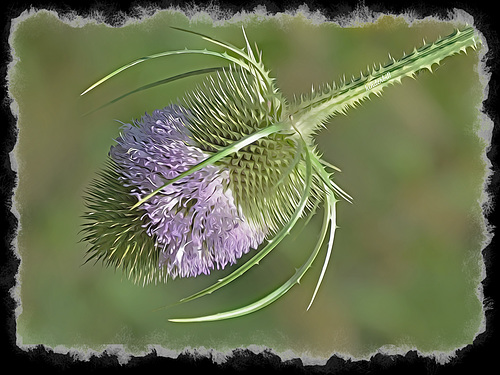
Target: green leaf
point(158, 83)
point(279, 292)
point(163, 54)
point(333, 220)
point(247, 56)
point(265, 251)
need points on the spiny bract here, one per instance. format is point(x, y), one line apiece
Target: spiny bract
point(193, 186)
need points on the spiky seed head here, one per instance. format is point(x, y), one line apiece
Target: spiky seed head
point(192, 226)
point(266, 177)
point(117, 234)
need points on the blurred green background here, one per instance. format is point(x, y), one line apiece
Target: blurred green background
point(406, 263)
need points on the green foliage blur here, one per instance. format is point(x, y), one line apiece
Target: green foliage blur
point(407, 259)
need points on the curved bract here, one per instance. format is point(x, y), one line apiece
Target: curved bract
point(236, 140)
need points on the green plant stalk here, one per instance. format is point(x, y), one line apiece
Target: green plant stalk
point(312, 113)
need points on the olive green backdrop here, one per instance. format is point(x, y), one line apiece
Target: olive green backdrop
point(407, 259)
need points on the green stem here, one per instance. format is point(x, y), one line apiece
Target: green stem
point(310, 115)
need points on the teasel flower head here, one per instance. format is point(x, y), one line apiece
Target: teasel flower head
point(195, 223)
point(229, 168)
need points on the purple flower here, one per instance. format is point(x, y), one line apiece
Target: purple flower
point(194, 221)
